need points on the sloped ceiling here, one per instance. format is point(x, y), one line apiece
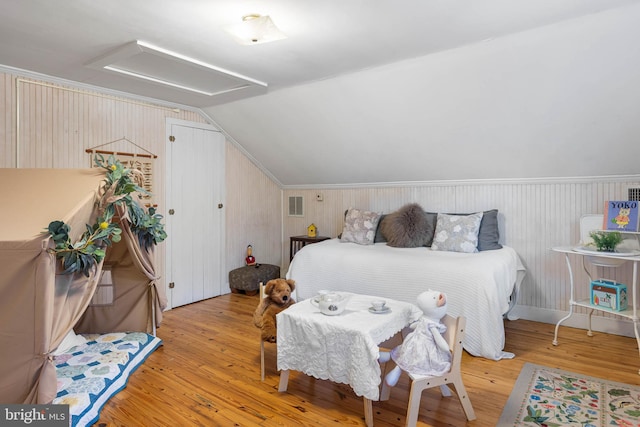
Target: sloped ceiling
point(378, 91)
point(551, 102)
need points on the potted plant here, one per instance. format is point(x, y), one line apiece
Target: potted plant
point(606, 241)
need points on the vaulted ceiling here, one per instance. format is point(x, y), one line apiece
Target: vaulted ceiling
point(366, 91)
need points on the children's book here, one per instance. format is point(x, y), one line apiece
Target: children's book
point(621, 215)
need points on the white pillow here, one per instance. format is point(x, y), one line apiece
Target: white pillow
point(70, 340)
point(360, 226)
point(457, 233)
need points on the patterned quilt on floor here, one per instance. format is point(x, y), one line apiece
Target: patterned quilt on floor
point(90, 374)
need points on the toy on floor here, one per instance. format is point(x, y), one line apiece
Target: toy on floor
point(277, 297)
point(424, 350)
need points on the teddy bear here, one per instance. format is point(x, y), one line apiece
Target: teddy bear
point(424, 351)
point(277, 297)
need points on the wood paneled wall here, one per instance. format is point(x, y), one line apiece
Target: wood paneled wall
point(534, 217)
point(254, 215)
point(48, 125)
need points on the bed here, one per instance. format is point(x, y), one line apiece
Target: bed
point(90, 374)
point(481, 286)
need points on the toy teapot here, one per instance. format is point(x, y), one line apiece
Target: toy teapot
point(331, 303)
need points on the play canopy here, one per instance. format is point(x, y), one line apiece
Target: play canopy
point(39, 304)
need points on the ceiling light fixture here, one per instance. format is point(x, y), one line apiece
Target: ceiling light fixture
point(255, 29)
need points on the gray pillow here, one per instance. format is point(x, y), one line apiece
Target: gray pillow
point(360, 226)
point(489, 234)
point(408, 227)
point(432, 218)
point(379, 237)
point(457, 233)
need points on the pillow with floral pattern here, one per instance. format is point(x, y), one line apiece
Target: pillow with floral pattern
point(457, 233)
point(360, 226)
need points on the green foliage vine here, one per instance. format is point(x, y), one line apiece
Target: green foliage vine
point(84, 254)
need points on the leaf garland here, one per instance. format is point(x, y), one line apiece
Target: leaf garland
point(83, 255)
point(147, 225)
point(89, 250)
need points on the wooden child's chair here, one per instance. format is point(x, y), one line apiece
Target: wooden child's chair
point(454, 336)
point(261, 341)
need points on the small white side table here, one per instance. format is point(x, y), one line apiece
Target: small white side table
point(604, 260)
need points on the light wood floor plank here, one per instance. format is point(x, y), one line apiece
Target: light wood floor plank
point(207, 373)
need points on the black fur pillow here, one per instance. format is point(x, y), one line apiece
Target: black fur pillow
point(408, 227)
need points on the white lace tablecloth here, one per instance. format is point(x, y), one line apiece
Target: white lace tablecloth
point(342, 348)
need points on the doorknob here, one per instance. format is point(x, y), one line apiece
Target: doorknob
point(171, 211)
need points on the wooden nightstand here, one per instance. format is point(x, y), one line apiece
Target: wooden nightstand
point(298, 242)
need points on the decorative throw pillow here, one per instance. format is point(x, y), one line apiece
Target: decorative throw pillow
point(360, 226)
point(457, 233)
point(489, 234)
point(408, 227)
point(68, 342)
point(379, 237)
point(432, 219)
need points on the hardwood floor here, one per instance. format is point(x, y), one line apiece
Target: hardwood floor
point(207, 373)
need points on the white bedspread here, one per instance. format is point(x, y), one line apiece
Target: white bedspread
point(478, 285)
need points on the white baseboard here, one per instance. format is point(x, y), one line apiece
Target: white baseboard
point(610, 325)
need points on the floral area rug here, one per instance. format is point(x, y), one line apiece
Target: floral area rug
point(551, 397)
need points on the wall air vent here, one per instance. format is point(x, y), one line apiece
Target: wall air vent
point(634, 194)
point(296, 204)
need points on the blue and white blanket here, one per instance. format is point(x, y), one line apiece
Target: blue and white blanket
point(90, 374)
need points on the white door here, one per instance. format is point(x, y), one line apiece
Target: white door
point(195, 214)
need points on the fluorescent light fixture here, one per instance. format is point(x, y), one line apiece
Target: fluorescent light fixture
point(154, 64)
point(255, 29)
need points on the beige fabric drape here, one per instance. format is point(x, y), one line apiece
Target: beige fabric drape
point(143, 260)
point(38, 306)
point(137, 295)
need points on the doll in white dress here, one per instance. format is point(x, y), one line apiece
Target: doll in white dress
point(424, 350)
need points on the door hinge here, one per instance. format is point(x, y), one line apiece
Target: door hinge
point(172, 138)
